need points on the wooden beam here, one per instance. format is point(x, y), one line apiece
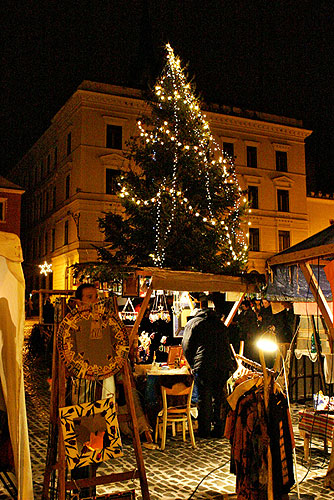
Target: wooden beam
point(320, 300)
point(234, 309)
point(140, 314)
point(302, 255)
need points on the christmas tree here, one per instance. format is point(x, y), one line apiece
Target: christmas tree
point(182, 202)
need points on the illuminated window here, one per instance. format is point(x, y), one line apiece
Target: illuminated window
point(281, 161)
point(282, 200)
point(254, 239)
point(251, 156)
point(114, 137)
point(253, 196)
point(283, 240)
point(111, 182)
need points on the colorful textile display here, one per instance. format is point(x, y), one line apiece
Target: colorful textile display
point(250, 431)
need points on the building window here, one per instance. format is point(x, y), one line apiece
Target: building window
point(53, 240)
point(48, 163)
point(69, 144)
point(55, 160)
point(281, 161)
point(2, 210)
point(282, 200)
point(42, 170)
point(66, 233)
point(47, 201)
point(67, 187)
point(253, 196)
point(111, 180)
point(283, 240)
point(40, 250)
point(46, 243)
point(254, 239)
point(54, 197)
point(114, 137)
point(251, 156)
point(228, 148)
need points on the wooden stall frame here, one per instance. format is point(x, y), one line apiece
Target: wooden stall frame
point(304, 258)
point(56, 443)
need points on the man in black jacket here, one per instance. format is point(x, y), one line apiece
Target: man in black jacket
point(206, 348)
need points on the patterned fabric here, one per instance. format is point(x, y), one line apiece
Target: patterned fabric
point(246, 428)
point(91, 433)
point(318, 423)
point(281, 444)
point(250, 431)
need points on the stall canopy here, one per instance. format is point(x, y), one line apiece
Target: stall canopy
point(287, 280)
point(12, 401)
point(306, 272)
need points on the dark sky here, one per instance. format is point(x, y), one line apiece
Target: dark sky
point(274, 56)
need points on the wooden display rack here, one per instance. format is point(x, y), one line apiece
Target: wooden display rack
point(55, 460)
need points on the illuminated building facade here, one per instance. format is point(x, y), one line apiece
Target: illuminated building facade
point(69, 178)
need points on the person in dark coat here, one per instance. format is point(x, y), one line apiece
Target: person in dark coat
point(206, 348)
point(248, 329)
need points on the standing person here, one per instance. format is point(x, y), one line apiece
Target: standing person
point(248, 329)
point(48, 312)
point(266, 317)
point(206, 348)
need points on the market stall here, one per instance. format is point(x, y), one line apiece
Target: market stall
point(303, 273)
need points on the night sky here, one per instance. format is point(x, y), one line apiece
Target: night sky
point(274, 56)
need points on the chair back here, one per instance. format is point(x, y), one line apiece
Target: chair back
point(178, 389)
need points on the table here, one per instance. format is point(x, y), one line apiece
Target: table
point(316, 423)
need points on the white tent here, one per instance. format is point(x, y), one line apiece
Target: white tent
point(12, 288)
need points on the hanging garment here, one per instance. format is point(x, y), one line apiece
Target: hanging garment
point(281, 444)
point(246, 428)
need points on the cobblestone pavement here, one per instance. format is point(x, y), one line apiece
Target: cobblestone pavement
point(176, 472)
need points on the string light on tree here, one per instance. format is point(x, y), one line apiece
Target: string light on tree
point(184, 209)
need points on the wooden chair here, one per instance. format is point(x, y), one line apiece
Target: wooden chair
point(175, 414)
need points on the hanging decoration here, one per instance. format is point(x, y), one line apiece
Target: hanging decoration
point(144, 345)
point(181, 301)
point(128, 312)
point(159, 308)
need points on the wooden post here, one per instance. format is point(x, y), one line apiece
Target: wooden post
point(320, 300)
point(136, 437)
point(270, 492)
point(234, 309)
point(140, 314)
